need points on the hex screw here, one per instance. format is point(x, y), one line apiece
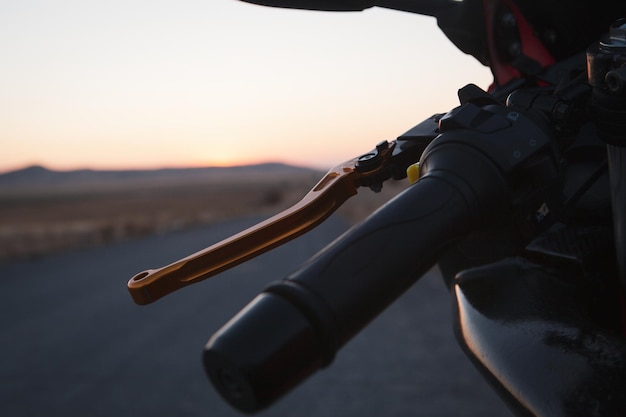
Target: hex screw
point(615, 80)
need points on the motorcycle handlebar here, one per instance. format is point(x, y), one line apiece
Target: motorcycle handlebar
point(295, 326)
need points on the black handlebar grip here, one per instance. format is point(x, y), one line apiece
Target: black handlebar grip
point(296, 325)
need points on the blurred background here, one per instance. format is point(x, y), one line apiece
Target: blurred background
point(152, 84)
point(147, 85)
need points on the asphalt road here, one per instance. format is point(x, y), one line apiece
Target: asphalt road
point(73, 343)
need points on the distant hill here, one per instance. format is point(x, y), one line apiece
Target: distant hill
point(37, 176)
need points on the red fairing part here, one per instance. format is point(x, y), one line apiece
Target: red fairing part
point(531, 46)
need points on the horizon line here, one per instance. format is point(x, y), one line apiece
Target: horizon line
point(154, 167)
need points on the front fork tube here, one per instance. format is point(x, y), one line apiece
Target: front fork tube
point(617, 173)
point(606, 65)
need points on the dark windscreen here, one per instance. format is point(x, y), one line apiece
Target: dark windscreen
point(427, 7)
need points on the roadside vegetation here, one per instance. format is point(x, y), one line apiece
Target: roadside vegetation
point(38, 220)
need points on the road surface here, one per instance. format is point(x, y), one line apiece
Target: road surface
point(74, 344)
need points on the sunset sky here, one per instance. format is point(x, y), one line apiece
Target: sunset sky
point(173, 83)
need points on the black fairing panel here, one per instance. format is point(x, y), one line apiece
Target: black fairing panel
point(537, 336)
point(329, 5)
point(427, 7)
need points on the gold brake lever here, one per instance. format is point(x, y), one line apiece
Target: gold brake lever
point(339, 184)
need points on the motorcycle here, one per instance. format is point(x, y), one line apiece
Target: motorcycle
point(518, 195)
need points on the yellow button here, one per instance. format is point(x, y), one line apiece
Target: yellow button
point(413, 173)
